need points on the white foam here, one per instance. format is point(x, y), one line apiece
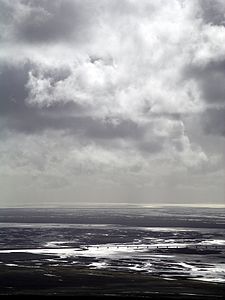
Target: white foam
point(219, 280)
point(98, 265)
point(205, 272)
point(213, 242)
point(56, 244)
point(137, 268)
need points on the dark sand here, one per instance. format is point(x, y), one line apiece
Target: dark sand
point(80, 281)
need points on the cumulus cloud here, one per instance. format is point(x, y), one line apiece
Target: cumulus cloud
point(123, 83)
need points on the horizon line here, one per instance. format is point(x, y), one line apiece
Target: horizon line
point(114, 205)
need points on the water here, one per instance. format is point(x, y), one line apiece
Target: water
point(130, 240)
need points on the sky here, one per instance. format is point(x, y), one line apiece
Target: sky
point(112, 101)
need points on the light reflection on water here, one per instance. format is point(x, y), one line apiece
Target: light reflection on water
point(119, 246)
point(137, 258)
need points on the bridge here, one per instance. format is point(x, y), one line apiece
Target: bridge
point(156, 247)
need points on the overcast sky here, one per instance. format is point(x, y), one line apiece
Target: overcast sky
point(110, 101)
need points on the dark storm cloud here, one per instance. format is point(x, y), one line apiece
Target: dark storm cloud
point(213, 12)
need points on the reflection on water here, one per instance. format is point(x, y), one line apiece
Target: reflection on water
point(127, 242)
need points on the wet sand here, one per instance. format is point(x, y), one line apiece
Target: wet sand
point(80, 281)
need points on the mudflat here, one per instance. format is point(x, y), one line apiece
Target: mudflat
point(80, 281)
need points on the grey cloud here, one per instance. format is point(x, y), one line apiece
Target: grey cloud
point(13, 80)
point(213, 12)
point(13, 91)
point(155, 145)
point(40, 120)
point(163, 115)
point(106, 130)
point(52, 21)
point(21, 117)
point(76, 21)
point(12, 88)
point(213, 88)
point(47, 21)
point(210, 79)
point(214, 121)
point(102, 86)
point(70, 117)
point(6, 16)
point(55, 74)
point(88, 129)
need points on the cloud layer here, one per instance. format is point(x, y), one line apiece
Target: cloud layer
point(112, 100)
